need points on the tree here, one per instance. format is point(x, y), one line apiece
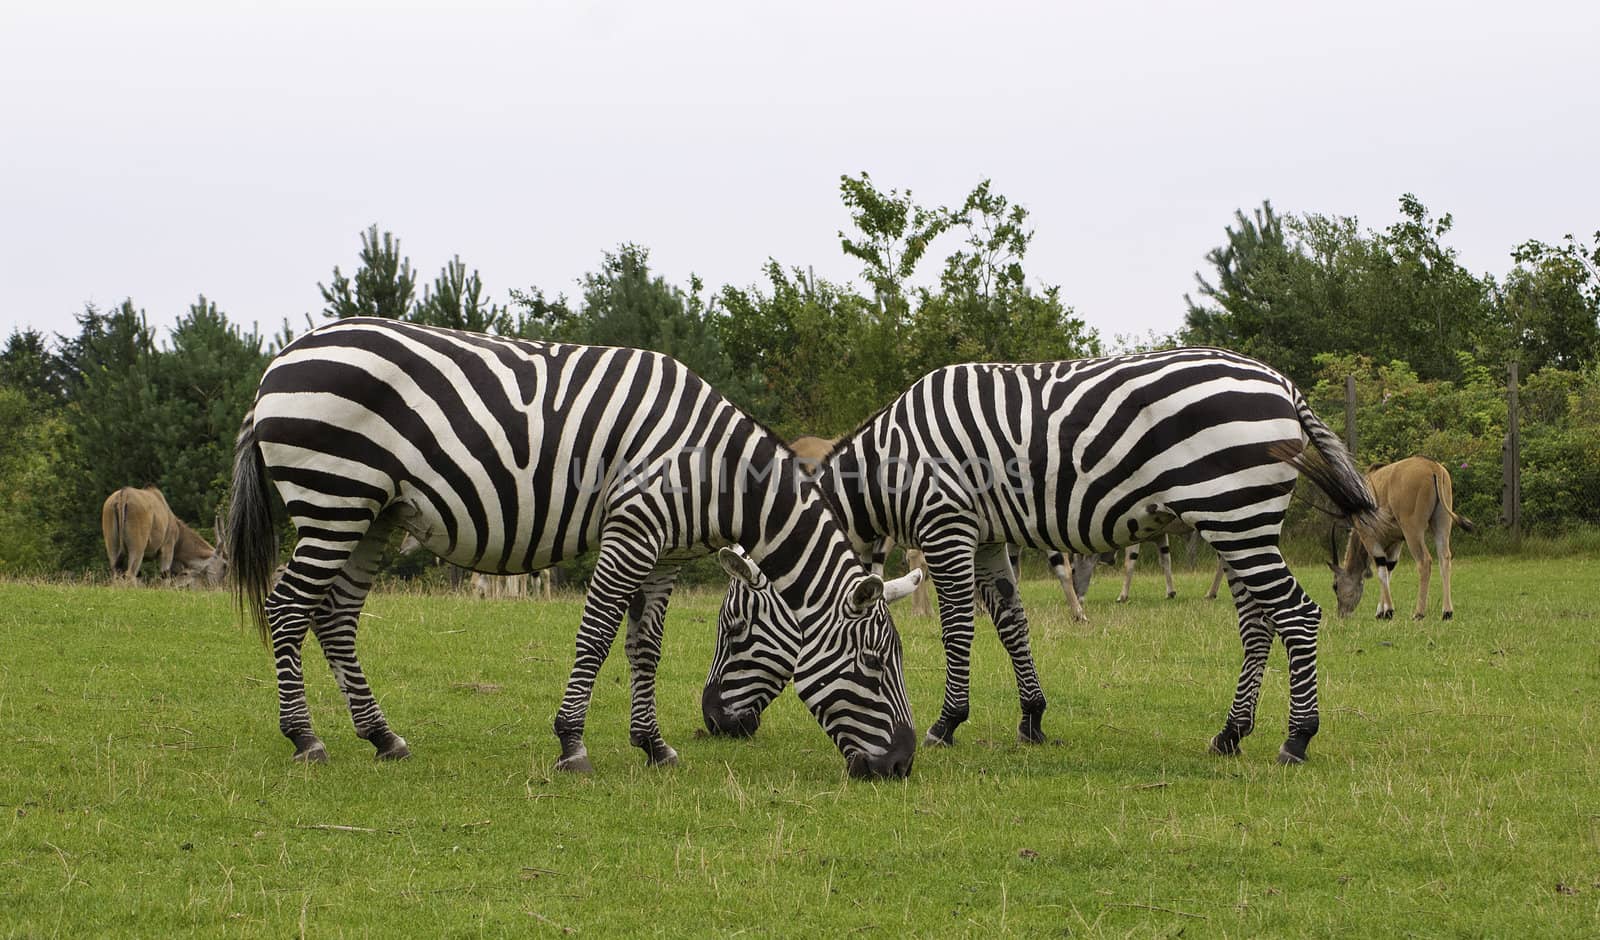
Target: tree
point(984, 310)
point(33, 497)
point(455, 302)
point(205, 382)
point(1250, 307)
point(113, 420)
point(28, 366)
point(1548, 311)
point(1420, 304)
point(382, 287)
point(805, 349)
point(893, 233)
point(625, 305)
point(1288, 289)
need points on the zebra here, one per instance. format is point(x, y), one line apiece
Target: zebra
point(505, 456)
point(1083, 456)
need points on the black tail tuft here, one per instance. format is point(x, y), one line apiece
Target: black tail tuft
point(252, 540)
point(1331, 468)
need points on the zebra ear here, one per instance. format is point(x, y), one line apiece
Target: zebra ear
point(867, 592)
point(902, 586)
point(741, 567)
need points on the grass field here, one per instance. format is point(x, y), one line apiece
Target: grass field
point(1454, 789)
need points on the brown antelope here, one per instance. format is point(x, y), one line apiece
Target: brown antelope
point(1415, 497)
point(136, 521)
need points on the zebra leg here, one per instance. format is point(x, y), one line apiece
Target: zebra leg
point(951, 564)
point(1255, 635)
point(335, 627)
point(647, 613)
point(291, 609)
point(997, 586)
point(619, 571)
point(1165, 550)
point(1270, 598)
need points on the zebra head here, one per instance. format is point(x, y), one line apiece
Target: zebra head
point(846, 668)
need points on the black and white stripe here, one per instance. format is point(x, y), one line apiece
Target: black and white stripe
point(505, 456)
point(1088, 456)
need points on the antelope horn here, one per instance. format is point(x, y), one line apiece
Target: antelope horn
point(1333, 544)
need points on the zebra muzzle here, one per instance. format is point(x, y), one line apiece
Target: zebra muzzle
point(722, 721)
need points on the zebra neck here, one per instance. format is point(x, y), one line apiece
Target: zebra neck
point(853, 482)
point(790, 529)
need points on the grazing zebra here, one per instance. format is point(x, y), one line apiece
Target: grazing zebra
point(1087, 456)
point(505, 456)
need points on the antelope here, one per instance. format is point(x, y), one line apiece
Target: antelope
point(1130, 557)
point(135, 521)
point(1415, 496)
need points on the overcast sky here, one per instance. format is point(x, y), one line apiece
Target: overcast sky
point(161, 150)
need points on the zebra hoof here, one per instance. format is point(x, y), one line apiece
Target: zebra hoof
point(1031, 729)
point(313, 753)
point(661, 756)
point(576, 764)
point(1224, 746)
point(1289, 758)
point(396, 750)
point(933, 740)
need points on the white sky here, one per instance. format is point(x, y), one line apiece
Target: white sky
point(160, 150)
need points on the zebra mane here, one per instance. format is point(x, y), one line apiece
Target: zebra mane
point(844, 439)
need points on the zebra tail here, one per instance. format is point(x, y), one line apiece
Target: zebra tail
point(1332, 469)
point(252, 540)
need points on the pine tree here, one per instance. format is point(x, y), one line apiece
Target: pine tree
point(383, 286)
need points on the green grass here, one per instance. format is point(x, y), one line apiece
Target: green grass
point(1453, 790)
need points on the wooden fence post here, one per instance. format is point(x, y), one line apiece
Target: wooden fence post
point(1350, 413)
point(1511, 464)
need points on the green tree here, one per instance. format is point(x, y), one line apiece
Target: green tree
point(383, 286)
point(205, 383)
point(1286, 290)
point(34, 498)
point(1420, 303)
point(984, 309)
point(1250, 307)
point(624, 304)
point(892, 233)
point(1548, 311)
point(805, 350)
point(456, 302)
point(112, 421)
point(28, 365)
